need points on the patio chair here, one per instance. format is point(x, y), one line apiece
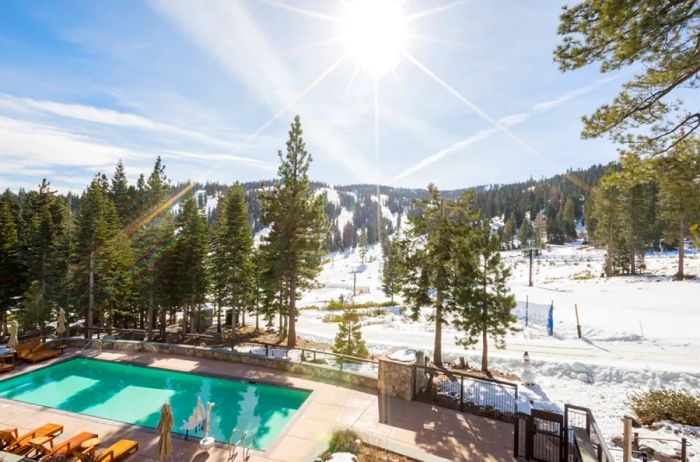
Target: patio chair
point(121, 450)
point(65, 449)
point(20, 444)
point(35, 351)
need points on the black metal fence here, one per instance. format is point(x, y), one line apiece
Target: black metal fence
point(552, 437)
point(577, 417)
point(362, 366)
point(481, 396)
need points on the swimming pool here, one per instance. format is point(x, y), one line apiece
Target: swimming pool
point(135, 394)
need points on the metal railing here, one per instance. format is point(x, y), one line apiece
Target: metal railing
point(581, 417)
point(477, 395)
point(362, 366)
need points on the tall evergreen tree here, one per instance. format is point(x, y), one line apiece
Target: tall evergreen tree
point(430, 258)
point(233, 275)
point(393, 270)
point(44, 235)
point(101, 255)
point(190, 271)
point(525, 232)
point(12, 274)
point(679, 190)
point(483, 302)
point(297, 220)
point(122, 195)
point(362, 242)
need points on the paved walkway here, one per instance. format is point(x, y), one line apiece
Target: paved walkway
point(426, 432)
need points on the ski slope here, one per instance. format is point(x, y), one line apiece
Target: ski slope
point(639, 332)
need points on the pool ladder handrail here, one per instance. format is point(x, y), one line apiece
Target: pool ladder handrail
point(234, 444)
point(93, 345)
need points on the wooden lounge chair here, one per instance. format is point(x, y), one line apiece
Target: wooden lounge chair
point(35, 351)
point(65, 448)
point(20, 444)
point(6, 367)
point(121, 450)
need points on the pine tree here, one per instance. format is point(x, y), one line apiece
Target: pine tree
point(540, 230)
point(122, 195)
point(430, 257)
point(348, 235)
point(483, 302)
point(191, 271)
point(45, 219)
point(525, 232)
point(154, 243)
point(232, 272)
point(12, 271)
point(509, 230)
point(297, 220)
point(679, 190)
point(362, 242)
point(348, 341)
point(393, 270)
point(100, 251)
point(604, 211)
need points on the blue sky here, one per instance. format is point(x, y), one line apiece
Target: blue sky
point(211, 86)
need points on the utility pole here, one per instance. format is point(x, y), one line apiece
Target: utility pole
point(530, 281)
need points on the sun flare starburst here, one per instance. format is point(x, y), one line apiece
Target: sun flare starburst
point(374, 33)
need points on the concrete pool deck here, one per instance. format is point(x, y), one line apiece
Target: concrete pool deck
point(423, 431)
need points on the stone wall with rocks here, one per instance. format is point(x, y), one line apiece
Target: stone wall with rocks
point(396, 379)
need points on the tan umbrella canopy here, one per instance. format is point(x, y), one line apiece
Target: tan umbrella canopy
point(61, 322)
point(165, 426)
point(14, 330)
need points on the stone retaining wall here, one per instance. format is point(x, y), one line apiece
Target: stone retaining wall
point(313, 371)
point(396, 379)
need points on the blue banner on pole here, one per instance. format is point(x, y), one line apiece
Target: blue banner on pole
point(550, 320)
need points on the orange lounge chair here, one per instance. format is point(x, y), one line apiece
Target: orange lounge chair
point(66, 448)
point(6, 367)
point(121, 450)
point(35, 351)
point(8, 436)
point(20, 444)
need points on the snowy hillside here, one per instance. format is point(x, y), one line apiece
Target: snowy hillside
point(638, 332)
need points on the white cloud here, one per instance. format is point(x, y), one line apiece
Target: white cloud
point(104, 116)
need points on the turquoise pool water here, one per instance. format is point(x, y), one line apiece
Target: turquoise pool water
point(134, 394)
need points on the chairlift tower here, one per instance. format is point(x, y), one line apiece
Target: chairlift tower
point(531, 251)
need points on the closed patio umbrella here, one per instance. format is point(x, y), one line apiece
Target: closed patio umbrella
point(165, 426)
point(14, 330)
point(61, 322)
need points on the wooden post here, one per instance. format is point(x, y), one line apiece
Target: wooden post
point(627, 439)
point(684, 450)
point(530, 281)
point(578, 323)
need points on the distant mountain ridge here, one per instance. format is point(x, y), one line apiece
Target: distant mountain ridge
point(353, 208)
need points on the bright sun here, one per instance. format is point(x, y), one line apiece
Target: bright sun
point(374, 32)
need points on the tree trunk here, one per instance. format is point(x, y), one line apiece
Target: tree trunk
point(484, 350)
point(218, 318)
point(633, 255)
point(610, 256)
point(91, 294)
point(291, 330)
point(681, 248)
point(437, 348)
point(151, 302)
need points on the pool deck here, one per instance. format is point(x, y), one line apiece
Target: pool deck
point(430, 432)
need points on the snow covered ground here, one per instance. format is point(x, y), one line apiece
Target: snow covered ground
point(638, 332)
